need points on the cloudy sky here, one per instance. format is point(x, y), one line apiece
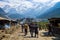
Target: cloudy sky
point(27, 6)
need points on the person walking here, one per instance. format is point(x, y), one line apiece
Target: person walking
point(36, 30)
point(50, 29)
point(25, 29)
point(22, 27)
point(31, 28)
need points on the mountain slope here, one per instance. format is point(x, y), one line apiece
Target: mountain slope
point(2, 12)
point(52, 12)
point(15, 16)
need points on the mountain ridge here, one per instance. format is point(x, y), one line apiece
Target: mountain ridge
point(52, 12)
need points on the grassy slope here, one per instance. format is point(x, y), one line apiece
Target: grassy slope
point(42, 24)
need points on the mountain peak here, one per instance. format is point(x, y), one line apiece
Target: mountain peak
point(57, 5)
point(2, 12)
point(52, 12)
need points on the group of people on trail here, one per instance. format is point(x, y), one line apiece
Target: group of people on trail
point(33, 28)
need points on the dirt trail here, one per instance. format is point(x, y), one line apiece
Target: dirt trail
point(19, 36)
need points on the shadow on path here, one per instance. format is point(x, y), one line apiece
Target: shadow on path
point(56, 38)
point(29, 37)
point(45, 34)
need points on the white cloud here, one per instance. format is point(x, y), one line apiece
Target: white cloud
point(18, 4)
point(57, 0)
point(42, 1)
point(28, 4)
point(23, 5)
point(53, 3)
point(2, 4)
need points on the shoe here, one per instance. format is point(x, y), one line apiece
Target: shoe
point(31, 36)
point(37, 36)
point(24, 35)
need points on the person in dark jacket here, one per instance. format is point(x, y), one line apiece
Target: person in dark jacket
point(50, 29)
point(31, 29)
point(36, 30)
point(22, 28)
